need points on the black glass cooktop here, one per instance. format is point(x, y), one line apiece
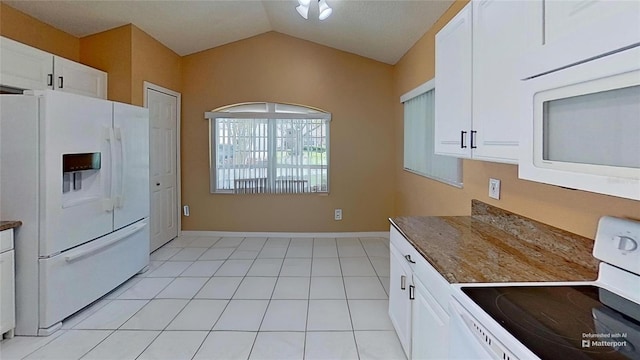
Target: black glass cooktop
point(565, 322)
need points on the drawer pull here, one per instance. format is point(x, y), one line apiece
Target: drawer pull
point(412, 292)
point(403, 282)
point(408, 257)
point(95, 249)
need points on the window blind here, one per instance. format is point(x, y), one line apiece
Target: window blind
point(419, 139)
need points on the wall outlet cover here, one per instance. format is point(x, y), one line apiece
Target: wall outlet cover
point(337, 214)
point(494, 189)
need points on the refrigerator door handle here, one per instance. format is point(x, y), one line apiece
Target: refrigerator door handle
point(107, 202)
point(119, 134)
point(97, 248)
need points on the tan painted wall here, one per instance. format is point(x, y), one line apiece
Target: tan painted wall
point(131, 56)
point(110, 51)
point(278, 68)
point(572, 210)
point(21, 27)
point(152, 61)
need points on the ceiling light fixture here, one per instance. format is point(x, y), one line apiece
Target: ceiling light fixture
point(303, 11)
point(323, 9)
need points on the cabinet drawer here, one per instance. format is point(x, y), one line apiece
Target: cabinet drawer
point(6, 240)
point(439, 287)
point(404, 247)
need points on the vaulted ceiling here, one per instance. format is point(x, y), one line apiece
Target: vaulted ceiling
point(377, 29)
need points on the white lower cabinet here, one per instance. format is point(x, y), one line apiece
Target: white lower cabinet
point(430, 330)
point(400, 278)
point(7, 284)
point(418, 298)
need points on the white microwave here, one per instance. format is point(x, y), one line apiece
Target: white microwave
point(581, 126)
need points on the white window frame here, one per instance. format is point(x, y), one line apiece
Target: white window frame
point(428, 148)
point(270, 112)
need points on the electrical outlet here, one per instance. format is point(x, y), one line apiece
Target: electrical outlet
point(494, 189)
point(337, 214)
point(185, 210)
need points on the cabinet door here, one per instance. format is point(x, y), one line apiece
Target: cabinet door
point(24, 67)
point(430, 326)
point(453, 86)
point(574, 31)
point(7, 292)
point(79, 79)
point(502, 31)
point(399, 303)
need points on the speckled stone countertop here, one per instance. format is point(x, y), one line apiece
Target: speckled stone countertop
point(6, 225)
point(494, 245)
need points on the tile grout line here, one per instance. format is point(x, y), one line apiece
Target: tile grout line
point(344, 285)
point(270, 298)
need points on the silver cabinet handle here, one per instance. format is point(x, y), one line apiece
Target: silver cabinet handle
point(412, 292)
point(403, 282)
point(408, 257)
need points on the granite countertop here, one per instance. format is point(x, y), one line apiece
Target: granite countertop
point(6, 225)
point(494, 245)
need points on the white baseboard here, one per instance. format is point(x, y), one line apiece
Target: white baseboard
point(377, 234)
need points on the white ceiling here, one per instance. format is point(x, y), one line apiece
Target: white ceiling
point(377, 29)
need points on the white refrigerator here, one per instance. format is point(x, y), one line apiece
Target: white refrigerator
point(75, 171)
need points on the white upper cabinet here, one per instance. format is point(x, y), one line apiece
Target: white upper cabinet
point(589, 28)
point(453, 86)
point(24, 67)
point(477, 79)
point(27, 68)
point(79, 79)
point(502, 31)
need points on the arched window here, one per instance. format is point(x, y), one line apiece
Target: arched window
point(269, 148)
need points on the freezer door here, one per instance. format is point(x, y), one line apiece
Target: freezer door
point(75, 278)
point(75, 206)
point(131, 172)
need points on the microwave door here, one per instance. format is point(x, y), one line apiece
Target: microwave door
point(581, 127)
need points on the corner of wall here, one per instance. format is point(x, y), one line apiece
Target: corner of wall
point(154, 62)
point(110, 51)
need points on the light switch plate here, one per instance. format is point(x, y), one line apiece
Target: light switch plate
point(494, 188)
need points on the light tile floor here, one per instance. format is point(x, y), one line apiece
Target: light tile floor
point(237, 298)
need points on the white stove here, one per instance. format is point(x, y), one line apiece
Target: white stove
point(557, 320)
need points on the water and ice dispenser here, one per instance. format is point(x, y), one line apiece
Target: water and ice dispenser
point(73, 167)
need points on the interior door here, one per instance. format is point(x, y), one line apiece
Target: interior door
point(163, 117)
point(131, 180)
